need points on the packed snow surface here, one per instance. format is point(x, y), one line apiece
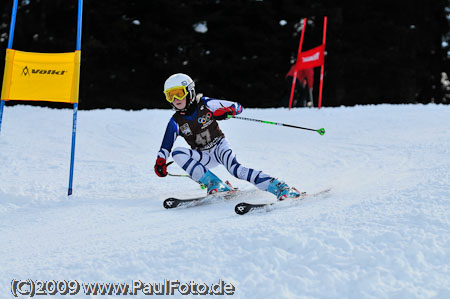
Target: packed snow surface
point(382, 232)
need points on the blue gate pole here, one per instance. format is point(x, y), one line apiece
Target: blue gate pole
point(72, 155)
point(10, 43)
point(2, 104)
point(75, 105)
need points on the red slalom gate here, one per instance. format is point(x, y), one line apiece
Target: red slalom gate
point(309, 59)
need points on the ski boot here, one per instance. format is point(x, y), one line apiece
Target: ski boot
point(214, 184)
point(282, 191)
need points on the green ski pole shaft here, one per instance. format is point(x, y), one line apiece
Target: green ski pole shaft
point(321, 131)
point(183, 176)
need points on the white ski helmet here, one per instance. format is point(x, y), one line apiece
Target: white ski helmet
point(183, 81)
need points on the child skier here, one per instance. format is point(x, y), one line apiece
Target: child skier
point(195, 120)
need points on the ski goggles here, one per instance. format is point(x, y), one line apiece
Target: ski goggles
point(177, 92)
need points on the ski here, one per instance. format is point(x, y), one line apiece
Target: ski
point(244, 208)
point(172, 202)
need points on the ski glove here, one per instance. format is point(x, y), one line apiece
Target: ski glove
point(161, 167)
point(222, 113)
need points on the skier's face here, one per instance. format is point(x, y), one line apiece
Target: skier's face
point(180, 104)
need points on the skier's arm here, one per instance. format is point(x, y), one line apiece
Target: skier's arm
point(221, 108)
point(172, 132)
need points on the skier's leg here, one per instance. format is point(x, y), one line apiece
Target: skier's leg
point(196, 164)
point(224, 154)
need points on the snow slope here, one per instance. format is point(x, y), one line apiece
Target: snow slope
point(383, 231)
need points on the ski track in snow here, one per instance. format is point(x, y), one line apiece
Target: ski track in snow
point(382, 232)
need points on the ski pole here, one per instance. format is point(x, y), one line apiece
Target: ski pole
point(183, 176)
point(321, 131)
point(179, 175)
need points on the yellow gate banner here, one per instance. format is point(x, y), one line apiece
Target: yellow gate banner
point(51, 77)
